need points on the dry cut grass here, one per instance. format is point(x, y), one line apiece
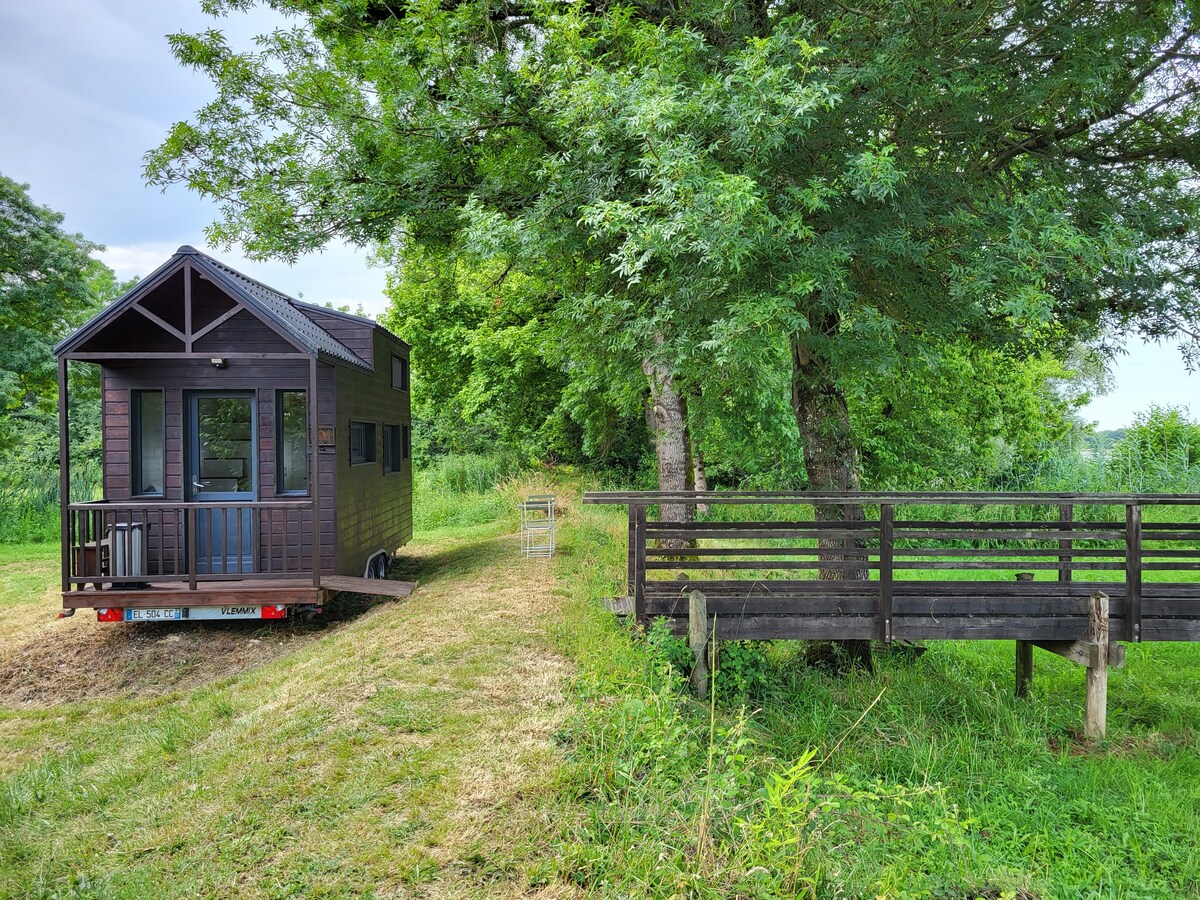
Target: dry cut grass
point(405, 750)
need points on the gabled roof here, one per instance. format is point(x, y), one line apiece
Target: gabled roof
point(278, 309)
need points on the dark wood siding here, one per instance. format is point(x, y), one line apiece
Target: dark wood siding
point(177, 377)
point(374, 510)
point(358, 336)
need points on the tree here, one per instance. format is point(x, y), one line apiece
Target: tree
point(719, 189)
point(46, 288)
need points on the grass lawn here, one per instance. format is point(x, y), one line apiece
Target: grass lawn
point(498, 734)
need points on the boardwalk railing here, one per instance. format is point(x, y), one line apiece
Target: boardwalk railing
point(191, 543)
point(913, 565)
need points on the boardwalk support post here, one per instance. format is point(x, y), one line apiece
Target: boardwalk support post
point(1096, 710)
point(1024, 667)
point(698, 641)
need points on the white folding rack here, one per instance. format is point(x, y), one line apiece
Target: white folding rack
point(537, 526)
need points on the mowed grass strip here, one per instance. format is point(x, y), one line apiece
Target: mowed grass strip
point(396, 753)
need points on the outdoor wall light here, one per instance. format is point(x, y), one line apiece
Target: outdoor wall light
point(217, 362)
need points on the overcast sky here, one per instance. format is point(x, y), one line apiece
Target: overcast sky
point(88, 86)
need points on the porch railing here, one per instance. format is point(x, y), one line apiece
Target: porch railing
point(108, 544)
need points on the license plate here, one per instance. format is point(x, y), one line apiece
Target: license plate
point(225, 612)
point(153, 615)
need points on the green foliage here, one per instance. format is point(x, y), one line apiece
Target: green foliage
point(29, 509)
point(49, 283)
point(741, 672)
point(725, 190)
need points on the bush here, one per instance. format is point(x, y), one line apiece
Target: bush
point(742, 666)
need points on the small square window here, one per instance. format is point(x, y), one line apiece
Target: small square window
point(362, 443)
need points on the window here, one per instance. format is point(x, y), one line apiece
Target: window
point(400, 373)
point(146, 411)
point(291, 442)
point(392, 458)
point(407, 443)
point(362, 443)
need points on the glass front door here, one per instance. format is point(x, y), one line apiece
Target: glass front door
point(222, 468)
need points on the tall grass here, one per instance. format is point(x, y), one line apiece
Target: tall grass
point(460, 490)
point(29, 508)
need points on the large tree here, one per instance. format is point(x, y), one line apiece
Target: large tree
point(49, 283)
point(706, 179)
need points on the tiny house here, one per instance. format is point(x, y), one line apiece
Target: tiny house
point(256, 451)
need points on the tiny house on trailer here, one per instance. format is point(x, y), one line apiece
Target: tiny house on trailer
point(256, 452)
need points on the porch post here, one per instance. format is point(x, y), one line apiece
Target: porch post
point(64, 473)
point(314, 474)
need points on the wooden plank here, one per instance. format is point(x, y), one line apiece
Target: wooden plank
point(1007, 565)
point(1084, 652)
point(1018, 552)
point(795, 628)
point(981, 628)
point(919, 498)
point(64, 475)
point(631, 572)
point(639, 564)
point(760, 551)
point(1066, 513)
point(833, 561)
point(379, 587)
point(730, 608)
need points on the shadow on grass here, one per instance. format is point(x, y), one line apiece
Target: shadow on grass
point(458, 559)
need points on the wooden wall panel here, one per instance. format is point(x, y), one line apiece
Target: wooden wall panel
point(358, 336)
point(374, 510)
point(177, 377)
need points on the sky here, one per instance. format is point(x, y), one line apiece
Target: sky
point(88, 86)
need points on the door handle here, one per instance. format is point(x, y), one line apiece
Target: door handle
point(199, 485)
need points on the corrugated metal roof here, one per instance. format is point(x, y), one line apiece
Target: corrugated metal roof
point(285, 311)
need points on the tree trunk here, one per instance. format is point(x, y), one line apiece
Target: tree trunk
point(831, 462)
point(668, 424)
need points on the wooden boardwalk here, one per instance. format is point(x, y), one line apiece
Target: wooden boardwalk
point(922, 566)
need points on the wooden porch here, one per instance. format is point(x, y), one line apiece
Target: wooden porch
point(153, 554)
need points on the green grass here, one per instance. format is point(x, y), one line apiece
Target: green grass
point(425, 748)
point(925, 779)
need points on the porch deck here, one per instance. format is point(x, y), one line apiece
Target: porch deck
point(287, 591)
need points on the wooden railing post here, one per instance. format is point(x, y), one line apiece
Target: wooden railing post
point(1096, 703)
point(1066, 515)
point(1133, 572)
point(1024, 667)
point(64, 472)
point(631, 569)
point(698, 641)
point(638, 550)
point(886, 568)
point(191, 537)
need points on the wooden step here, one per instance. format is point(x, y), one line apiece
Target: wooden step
point(380, 587)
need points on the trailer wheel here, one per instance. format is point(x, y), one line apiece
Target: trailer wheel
point(377, 567)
